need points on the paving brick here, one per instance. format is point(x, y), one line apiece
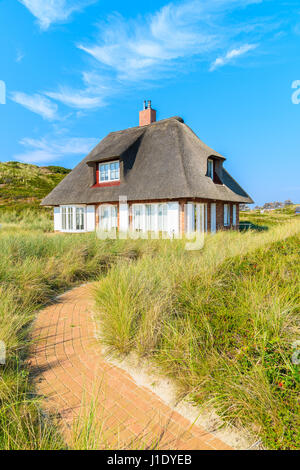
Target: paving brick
point(70, 373)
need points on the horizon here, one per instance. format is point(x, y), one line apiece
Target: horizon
point(71, 72)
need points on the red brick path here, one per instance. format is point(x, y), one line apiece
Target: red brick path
point(70, 373)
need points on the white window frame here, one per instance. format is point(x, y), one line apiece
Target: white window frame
point(226, 215)
point(234, 214)
point(150, 218)
point(210, 168)
point(157, 222)
point(112, 219)
point(199, 215)
point(110, 179)
point(162, 217)
point(70, 212)
point(138, 222)
point(213, 217)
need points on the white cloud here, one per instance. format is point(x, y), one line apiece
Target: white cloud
point(54, 11)
point(145, 47)
point(54, 149)
point(20, 56)
point(231, 55)
point(75, 98)
point(37, 104)
point(92, 96)
point(152, 47)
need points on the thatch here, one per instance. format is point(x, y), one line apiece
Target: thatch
point(164, 160)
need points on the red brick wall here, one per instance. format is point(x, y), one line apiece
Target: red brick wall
point(147, 116)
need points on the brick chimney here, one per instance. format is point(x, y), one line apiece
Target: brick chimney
point(148, 114)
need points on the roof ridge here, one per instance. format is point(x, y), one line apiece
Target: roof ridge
point(176, 118)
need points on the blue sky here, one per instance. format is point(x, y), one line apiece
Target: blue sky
point(75, 70)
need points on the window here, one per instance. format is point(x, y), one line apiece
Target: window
point(73, 219)
point(210, 168)
point(234, 214)
point(138, 217)
point(79, 218)
point(64, 218)
point(162, 217)
point(70, 218)
point(108, 215)
point(109, 172)
point(150, 217)
point(199, 218)
point(226, 215)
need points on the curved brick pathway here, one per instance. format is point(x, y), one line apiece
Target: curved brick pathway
point(70, 373)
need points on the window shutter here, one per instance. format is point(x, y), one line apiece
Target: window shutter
point(57, 218)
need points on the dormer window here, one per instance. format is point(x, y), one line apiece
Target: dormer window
point(210, 168)
point(109, 171)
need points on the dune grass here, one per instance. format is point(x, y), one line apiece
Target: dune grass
point(157, 300)
point(268, 219)
point(23, 184)
point(220, 322)
point(34, 268)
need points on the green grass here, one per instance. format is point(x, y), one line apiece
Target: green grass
point(258, 221)
point(23, 185)
point(220, 322)
point(34, 268)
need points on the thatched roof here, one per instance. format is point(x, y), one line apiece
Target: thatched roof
point(164, 160)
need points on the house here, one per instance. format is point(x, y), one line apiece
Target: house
point(297, 210)
point(158, 177)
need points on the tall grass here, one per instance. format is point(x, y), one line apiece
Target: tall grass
point(26, 217)
point(34, 267)
point(221, 322)
point(144, 293)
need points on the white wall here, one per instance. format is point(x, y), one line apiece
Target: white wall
point(57, 219)
point(90, 218)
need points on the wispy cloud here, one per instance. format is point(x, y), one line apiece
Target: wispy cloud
point(147, 46)
point(75, 98)
point(92, 96)
point(54, 149)
point(20, 56)
point(231, 55)
point(54, 11)
point(154, 46)
point(37, 104)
